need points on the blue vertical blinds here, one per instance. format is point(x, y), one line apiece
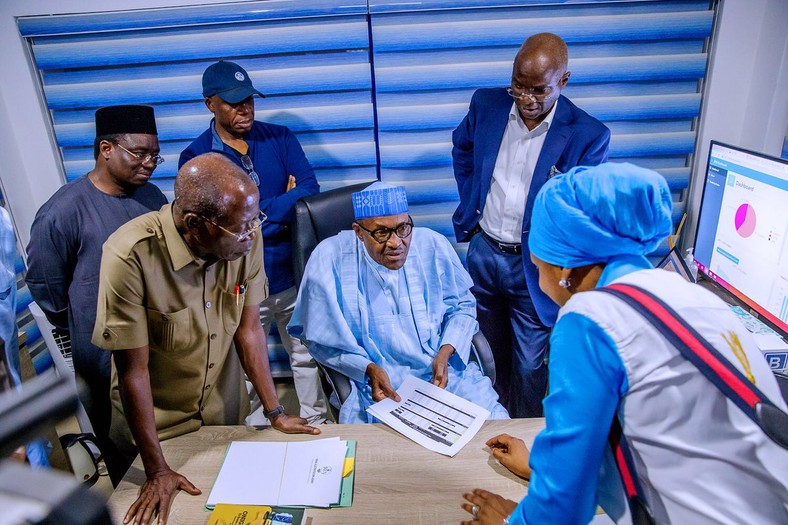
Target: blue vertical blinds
point(374, 89)
point(637, 66)
point(312, 66)
point(311, 59)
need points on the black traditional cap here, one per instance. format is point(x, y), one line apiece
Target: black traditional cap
point(228, 80)
point(113, 120)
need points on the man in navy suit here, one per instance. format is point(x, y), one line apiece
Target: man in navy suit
point(510, 142)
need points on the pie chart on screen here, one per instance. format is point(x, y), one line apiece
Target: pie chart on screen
point(745, 220)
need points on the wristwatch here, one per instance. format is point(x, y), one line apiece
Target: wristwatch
point(271, 414)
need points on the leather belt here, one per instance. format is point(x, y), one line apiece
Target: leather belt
point(511, 249)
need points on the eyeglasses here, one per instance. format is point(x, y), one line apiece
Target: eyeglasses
point(143, 158)
point(382, 235)
point(244, 235)
point(524, 95)
point(249, 167)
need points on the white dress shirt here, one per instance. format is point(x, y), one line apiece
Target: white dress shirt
point(514, 169)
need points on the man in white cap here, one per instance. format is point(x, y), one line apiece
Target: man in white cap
point(388, 300)
point(272, 157)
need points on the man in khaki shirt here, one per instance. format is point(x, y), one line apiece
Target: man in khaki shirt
point(178, 287)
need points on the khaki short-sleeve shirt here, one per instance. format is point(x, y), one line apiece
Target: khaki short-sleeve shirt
point(155, 292)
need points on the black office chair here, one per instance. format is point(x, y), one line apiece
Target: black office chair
point(319, 217)
point(324, 215)
point(782, 382)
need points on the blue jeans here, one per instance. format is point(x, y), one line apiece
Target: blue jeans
point(509, 321)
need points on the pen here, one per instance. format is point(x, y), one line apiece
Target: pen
point(237, 291)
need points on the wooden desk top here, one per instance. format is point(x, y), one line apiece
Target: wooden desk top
point(396, 482)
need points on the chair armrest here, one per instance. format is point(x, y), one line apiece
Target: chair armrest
point(337, 381)
point(482, 354)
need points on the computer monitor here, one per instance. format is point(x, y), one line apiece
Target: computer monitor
point(742, 236)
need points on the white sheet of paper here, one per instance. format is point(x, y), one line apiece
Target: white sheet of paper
point(305, 473)
point(313, 473)
point(250, 475)
point(432, 417)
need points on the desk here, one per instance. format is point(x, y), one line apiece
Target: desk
point(397, 481)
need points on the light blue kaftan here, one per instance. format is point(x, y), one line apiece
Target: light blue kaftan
point(8, 327)
point(352, 311)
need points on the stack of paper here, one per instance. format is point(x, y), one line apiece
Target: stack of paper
point(295, 474)
point(431, 416)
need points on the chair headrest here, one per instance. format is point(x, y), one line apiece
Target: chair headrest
point(332, 211)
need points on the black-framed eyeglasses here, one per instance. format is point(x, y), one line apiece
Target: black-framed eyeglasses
point(382, 235)
point(143, 157)
point(249, 167)
point(244, 235)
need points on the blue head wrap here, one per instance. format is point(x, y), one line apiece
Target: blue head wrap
point(379, 200)
point(593, 214)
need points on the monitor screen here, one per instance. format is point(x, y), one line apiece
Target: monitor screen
point(742, 236)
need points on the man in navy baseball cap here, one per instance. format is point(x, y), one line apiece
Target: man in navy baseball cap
point(272, 157)
point(229, 81)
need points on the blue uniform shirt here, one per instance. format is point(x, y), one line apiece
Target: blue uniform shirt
point(276, 154)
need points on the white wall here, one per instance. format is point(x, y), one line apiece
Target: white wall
point(746, 99)
point(745, 102)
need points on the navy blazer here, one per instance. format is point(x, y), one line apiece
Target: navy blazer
point(575, 138)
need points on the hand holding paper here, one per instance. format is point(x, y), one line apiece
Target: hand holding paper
point(440, 366)
point(380, 383)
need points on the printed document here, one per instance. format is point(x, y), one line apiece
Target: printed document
point(299, 473)
point(432, 417)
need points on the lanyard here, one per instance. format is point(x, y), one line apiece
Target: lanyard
point(711, 363)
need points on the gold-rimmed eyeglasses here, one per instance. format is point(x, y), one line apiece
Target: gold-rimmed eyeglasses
point(526, 95)
point(244, 235)
point(143, 157)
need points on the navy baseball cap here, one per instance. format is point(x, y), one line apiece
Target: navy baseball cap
point(229, 81)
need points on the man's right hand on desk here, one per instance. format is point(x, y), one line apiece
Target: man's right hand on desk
point(293, 425)
point(380, 384)
point(156, 495)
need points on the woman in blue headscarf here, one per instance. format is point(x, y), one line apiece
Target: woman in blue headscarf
point(696, 457)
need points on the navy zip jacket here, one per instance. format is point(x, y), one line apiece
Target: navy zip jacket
point(276, 154)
